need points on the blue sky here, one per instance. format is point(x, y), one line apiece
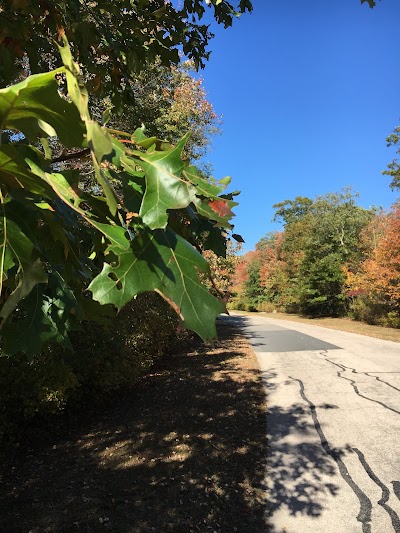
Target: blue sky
point(308, 91)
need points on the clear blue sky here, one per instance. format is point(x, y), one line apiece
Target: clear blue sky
point(309, 90)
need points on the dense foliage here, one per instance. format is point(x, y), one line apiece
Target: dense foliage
point(104, 361)
point(112, 41)
point(333, 258)
point(58, 240)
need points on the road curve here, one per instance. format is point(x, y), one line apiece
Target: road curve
point(333, 427)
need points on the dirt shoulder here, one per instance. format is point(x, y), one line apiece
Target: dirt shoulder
point(342, 324)
point(184, 452)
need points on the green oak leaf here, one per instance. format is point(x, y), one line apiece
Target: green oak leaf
point(35, 107)
point(205, 187)
point(28, 277)
point(15, 172)
point(165, 188)
point(50, 312)
point(100, 143)
point(159, 261)
point(132, 186)
point(64, 185)
point(140, 139)
point(17, 248)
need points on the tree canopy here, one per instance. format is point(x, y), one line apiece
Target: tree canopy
point(393, 169)
point(112, 41)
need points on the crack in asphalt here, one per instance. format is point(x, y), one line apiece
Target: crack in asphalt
point(353, 383)
point(385, 491)
point(365, 514)
point(369, 374)
point(378, 379)
point(396, 488)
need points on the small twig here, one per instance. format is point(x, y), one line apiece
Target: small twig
point(222, 293)
point(75, 155)
point(126, 141)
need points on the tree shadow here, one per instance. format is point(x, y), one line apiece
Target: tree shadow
point(301, 465)
point(300, 473)
point(184, 451)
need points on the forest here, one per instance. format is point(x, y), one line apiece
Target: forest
point(333, 258)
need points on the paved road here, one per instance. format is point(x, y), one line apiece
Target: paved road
point(333, 427)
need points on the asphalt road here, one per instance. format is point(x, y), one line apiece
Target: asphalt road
point(333, 427)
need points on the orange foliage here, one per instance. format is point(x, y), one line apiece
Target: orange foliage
point(240, 275)
point(379, 274)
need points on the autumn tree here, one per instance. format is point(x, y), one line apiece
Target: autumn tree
point(291, 211)
point(246, 288)
point(335, 225)
point(222, 269)
point(168, 101)
point(302, 268)
point(375, 285)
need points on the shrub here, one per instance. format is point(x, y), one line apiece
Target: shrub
point(391, 320)
point(237, 304)
point(29, 387)
point(114, 356)
point(266, 307)
point(105, 359)
point(366, 310)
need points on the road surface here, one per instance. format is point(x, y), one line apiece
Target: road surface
point(333, 427)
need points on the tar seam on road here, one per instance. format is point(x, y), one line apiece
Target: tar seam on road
point(378, 379)
point(365, 513)
point(385, 492)
point(354, 371)
point(396, 488)
point(353, 384)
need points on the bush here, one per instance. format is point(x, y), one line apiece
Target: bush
point(114, 356)
point(236, 304)
point(243, 305)
point(391, 320)
point(105, 359)
point(366, 310)
point(266, 307)
point(29, 387)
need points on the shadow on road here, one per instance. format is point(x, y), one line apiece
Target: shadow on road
point(184, 452)
point(300, 472)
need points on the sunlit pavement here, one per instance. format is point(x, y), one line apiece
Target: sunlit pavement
point(333, 427)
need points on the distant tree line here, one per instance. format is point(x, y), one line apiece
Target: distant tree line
point(333, 258)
